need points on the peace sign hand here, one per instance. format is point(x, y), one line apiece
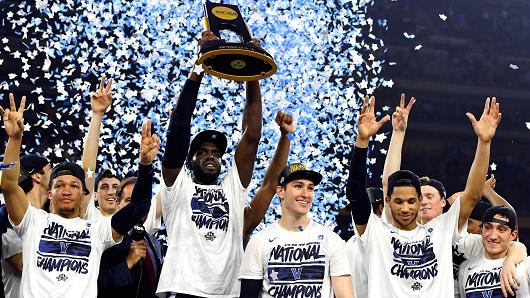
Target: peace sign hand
point(101, 100)
point(401, 115)
point(13, 118)
point(149, 145)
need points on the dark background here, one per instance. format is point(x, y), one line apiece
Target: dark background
point(462, 61)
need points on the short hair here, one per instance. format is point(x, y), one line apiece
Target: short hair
point(106, 173)
point(403, 178)
point(122, 184)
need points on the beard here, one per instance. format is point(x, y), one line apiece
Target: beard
point(203, 177)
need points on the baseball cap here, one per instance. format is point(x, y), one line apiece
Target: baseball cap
point(403, 178)
point(214, 136)
point(434, 183)
point(69, 168)
point(375, 194)
point(479, 210)
point(507, 212)
point(33, 163)
point(298, 171)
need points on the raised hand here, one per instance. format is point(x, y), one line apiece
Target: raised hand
point(13, 118)
point(367, 125)
point(149, 145)
point(206, 37)
point(401, 115)
point(101, 100)
point(285, 122)
point(486, 126)
point(490, 183)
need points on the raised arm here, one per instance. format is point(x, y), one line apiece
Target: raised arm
point(132, 214)
point(367, 126)
point(100, 101)
point(179, 131)
point(14, 196)
point(492, 196)
point(485, 129)
point(393, 156)
point(261, 201)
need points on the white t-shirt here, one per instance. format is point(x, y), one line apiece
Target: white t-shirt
point(205, 236)
point(480, 277)
point(358, 262)
point(11, 245)
point(152, 224)
point(61, 256)
point(413, 263)
point(295, 264)
point(467, 246)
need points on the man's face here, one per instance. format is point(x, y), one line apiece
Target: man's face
point(297, 196)
point(106, 195)
point(473, 226)
point(206, 163)
point(432, 204)
point(496, 237)
point(66, 194)
point(126, 192)
point(404, 204)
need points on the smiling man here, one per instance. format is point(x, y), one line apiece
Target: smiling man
point(203, 212)
point(481, 275)
point(296, 255)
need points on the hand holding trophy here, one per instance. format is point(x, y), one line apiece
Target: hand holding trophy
point(239, 61)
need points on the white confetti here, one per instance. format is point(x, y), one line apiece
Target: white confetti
point(418, 47)
point(380, 137)
point(443, 17)
point(493, 166)
point(514, 67)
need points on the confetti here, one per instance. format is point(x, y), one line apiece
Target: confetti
point(493, 166)
point(149, 47)
point(443, 17)
point(409, 36)
point(418, 47)
point(514, 67)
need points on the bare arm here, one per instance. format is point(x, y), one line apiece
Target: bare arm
point(261, 201)
point(485, 129)
point(492, 196)
point(100, 101)
point(15, 198)
point(16, 261)
point(247, 148)
point(516, 254)
point(393, 156)
point(342, 286)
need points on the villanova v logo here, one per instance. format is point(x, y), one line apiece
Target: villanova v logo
point(297, 273)
point(64, 247)
point(487, 294)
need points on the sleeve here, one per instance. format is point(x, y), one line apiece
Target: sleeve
point(103, 230)
point(92, 212)
point(373, 227)
point(462, 279)
point(116, 276)
point(168, 193)
point(338, 260)
point(27, 221)
point(472, 245)
point(152, 224)
point(252, 266)
point(448, 222)
point(11, 244)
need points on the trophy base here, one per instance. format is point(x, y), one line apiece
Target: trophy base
point(236, 61)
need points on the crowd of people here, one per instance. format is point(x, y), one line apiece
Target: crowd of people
point(69, 232)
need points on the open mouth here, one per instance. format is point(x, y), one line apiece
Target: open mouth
point(303, 203)
point(210, 165)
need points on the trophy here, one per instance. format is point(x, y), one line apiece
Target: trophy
point(239, 61)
